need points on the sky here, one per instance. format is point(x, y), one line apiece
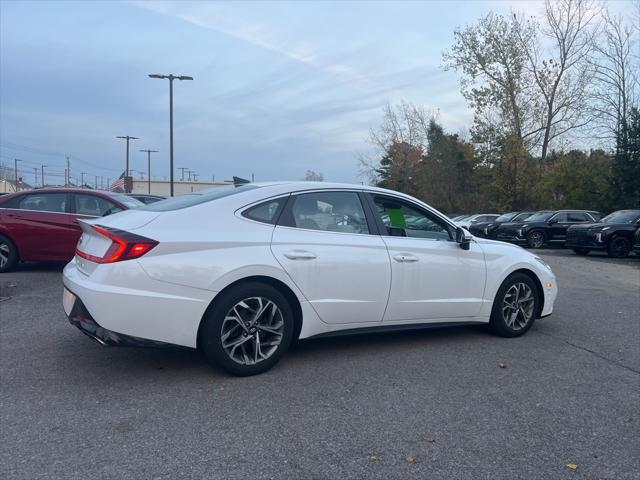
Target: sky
point(279, 87)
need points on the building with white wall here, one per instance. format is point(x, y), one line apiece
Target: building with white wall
point(180, 187)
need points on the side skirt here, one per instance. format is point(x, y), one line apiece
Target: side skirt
point(393, 328)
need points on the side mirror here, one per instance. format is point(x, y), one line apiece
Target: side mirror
point(463, 237)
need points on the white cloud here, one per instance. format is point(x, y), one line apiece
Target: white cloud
point(212, 17)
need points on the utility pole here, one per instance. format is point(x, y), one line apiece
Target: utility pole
point(189, 172)
point(126, 170)
point(67, 171)
point(182, 169)
point(35, 177)
point(42, 174)
point(82, 174)
point(171, 78)
point(109, 184)
point(96, 182)
point(195, 177)
point(15, 163)
point(149, 152)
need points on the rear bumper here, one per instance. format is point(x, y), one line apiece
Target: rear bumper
point(122, 300)
point(80, 317)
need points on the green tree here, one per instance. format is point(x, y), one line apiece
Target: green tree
point(625, 174)
point(514, 175)
point(576, 180)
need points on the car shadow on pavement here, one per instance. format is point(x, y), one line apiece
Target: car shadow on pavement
point(125, 364)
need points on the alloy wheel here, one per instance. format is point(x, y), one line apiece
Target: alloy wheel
point(621, 247)
point(252, 330)
point(537, 240)
point(4, 254)
point(518, 305)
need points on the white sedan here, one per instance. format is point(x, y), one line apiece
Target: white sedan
point(242, 271)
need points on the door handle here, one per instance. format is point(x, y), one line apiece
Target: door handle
point(300, 255)
point(405, 258)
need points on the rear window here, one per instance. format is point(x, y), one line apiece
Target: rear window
point(129, 202)
point(196, 198)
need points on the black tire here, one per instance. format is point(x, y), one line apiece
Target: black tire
point(582, 251)
point(498, 324)
point(8, 254)
point(619, 247)
point(211, 342)
point(536, 239)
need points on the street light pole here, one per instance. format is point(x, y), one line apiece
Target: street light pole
point(171, 78)
point(82, 174)
point(149, 152)
point(126, 171)
point(15, 162)
point(42, 173)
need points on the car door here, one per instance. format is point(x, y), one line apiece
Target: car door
point(324, 242)
point(42, 227)
point(432, 277)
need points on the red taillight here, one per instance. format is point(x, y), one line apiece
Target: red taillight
point(124, 246)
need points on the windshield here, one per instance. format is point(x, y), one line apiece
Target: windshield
point(506, 217)
point(522, 216)
point(622, 216)
point(540, 217)
point(195, 198)
point(126, 200)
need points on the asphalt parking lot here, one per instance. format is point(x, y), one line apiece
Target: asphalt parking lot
point(427, 404)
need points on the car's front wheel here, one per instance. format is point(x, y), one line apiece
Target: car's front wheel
point(248, 329)
point(535, 239)
point(515, 306)
point(619, 247)
point(8, 254)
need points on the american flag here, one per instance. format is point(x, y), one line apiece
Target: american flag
point(118, 185)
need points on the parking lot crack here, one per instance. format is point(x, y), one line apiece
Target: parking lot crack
point(593, 352)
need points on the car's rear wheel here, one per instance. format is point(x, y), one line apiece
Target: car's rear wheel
point(248, 329)
point(582, 251)
point(619, 247)
point(515, 306)
point(535, 239)
point(8, 254)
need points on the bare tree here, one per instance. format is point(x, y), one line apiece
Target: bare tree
point(312, 176)
point(404, 124)
point(616, 80)
point(562, 72)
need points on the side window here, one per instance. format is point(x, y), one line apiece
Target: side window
point(44, 202)
point(560, 217)
point(400, 216)
point(266, 212)
point(94, 205)
point(578, 217)
point(329, 211)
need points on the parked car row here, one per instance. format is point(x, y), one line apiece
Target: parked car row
point(582, 231)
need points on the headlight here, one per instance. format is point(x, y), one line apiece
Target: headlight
point(543, 263)
point(524, 225)
point(605, 229)
point(519, 232)
point(599, 237)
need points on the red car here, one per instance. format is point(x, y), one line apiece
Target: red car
point(42, 225)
